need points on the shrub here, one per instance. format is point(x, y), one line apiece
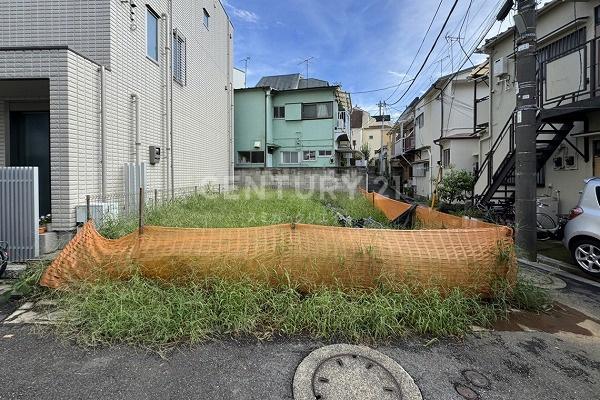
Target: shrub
point(456, 186)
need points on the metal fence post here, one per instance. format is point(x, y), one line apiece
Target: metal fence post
point(155, 197)
point(195, 190)
point(219, 188)
point(141, 214)
point(88, 214)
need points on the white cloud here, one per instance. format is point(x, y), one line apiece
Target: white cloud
point(245, 15)
point(400, 75)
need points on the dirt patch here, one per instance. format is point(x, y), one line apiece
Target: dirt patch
point(561, 318)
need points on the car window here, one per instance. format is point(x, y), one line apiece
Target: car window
point(598, 194)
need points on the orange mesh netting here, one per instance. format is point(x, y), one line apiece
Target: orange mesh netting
point(307, 254)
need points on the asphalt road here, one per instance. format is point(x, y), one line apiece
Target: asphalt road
point(518, 365)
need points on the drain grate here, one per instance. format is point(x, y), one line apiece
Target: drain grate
point(346, 372)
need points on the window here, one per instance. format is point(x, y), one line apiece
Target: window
point(326, 153)
point(309, 155)
point(420, 121)
point(206, 18)
point(179, 58)
point(279, 112)
point(151, 34)
point(420, 170)
point(251, 157)
point(371, 137)
point(317, 110)
point(289, 157)
point(446, 158)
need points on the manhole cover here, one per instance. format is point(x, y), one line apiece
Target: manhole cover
point(466, 392)
point(476, 378)
point(347, 372)
point(541, 280)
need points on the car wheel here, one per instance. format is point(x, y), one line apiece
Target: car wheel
point(586, 253)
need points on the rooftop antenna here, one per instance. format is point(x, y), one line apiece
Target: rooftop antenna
point(307, 61)
point(452, 39)
point(245, 61)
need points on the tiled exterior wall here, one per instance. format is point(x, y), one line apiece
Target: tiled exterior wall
point(81, 24)
point(201, 109)
point(73, 123)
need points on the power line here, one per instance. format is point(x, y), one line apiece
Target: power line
point(380, 89)
point(430, 51)
point(419, 50)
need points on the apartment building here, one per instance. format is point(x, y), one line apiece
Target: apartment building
point(87, 87)
point(289, 121)
point(439, 131)
point(568, 124)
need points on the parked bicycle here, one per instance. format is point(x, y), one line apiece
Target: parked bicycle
point(548, 225)
point(3, 257)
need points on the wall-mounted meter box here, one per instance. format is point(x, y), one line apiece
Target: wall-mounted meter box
point(500, 67)
point(154, 155)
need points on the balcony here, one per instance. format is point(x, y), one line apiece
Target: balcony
point(404, 145)
point(342, 126)
point(568, 95)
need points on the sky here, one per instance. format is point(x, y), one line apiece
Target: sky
point(362, 45)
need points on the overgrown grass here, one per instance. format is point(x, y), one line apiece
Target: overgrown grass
point(152, 314)
point(248, 208)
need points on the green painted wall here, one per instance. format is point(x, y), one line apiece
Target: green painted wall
point(249, 122)
point(290, 134)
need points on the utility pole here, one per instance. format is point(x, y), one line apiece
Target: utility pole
point(245, 60)
point(381, 113)
point(526, 131)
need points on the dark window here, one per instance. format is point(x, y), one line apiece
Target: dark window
point(317, 110)
point(309, 155)
point(326, 153)
point(206, 18)
point(279, 112)
point(179, 57)
point(151, 34)
point(251, 157)
point(420, 120)
point(370, 136)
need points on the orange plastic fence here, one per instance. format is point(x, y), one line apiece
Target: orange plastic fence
point(307, 254)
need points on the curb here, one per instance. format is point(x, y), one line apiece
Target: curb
point(557, 271)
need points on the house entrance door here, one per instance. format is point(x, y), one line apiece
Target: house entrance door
point(30, 147)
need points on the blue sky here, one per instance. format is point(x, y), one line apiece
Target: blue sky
point(362, 45)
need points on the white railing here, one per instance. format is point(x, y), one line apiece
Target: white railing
point(343, 120)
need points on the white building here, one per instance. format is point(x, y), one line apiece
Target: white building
point(437, 130)
point(75, 74)
point(568, 140)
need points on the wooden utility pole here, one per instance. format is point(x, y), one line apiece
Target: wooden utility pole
point(526, 131)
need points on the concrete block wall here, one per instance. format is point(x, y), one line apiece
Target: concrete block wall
point(81, 24)
point(334, 179)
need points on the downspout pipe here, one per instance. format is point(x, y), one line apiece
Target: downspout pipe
point(136, 102)
point(168, 132)
point(170, 83)
point(103, 131)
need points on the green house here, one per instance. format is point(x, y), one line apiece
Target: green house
point(289, 121)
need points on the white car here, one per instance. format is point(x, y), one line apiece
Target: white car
point(582, 232)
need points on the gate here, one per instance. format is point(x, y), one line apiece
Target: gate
point(19, 212)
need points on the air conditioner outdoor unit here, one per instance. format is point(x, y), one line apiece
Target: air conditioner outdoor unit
point(500, 67)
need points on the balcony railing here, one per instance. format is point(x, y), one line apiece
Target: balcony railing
point(342, 125)
point(568, 76)
point(404, 144)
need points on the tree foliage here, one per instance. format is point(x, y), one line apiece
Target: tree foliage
point(366, 152)
point(456, 186)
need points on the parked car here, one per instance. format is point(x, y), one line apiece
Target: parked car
point(582, 232)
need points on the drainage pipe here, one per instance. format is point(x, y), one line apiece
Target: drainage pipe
point(168, 136)
point(103, 130)
point(136, 101)
point(170, 83)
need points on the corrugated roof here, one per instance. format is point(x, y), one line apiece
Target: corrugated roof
point(290, 82)
point(280, 82)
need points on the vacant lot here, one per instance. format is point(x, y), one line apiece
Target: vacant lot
point(250, 208)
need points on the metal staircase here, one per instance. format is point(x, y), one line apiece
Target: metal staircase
point(500, 187)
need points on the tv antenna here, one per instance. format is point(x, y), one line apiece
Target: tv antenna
point(306, 61)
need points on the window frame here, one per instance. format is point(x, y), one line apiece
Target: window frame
point(281, 113)
point(179, 42)
point(250, 157)
point(151, 13)
point(420, 120)
point(446, 158)
point(205, 18)
point(290, 152)
point(314, 157)
point(324, 155)
point(329, 109)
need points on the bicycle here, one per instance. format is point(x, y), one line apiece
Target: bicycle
point(546, 226)
point(3, 257)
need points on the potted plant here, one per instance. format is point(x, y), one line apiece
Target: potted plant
point(45, 224)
